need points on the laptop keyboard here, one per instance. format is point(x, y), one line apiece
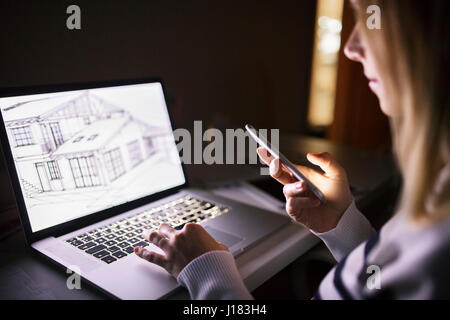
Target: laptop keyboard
point(118, 239)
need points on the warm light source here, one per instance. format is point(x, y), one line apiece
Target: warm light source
point(327, 43)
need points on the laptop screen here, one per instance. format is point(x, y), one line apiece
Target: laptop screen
point(80, 152)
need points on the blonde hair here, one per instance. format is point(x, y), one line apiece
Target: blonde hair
point(412, 54)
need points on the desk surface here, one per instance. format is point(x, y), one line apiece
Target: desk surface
point(25, 274)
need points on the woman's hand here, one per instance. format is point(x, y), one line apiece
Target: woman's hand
point(301, 204)
point(180, 246)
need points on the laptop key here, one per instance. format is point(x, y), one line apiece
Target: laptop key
point(110, 236)
point(101, 254)
point(87, 245)
point(123, 244)
point(119, 254)
point(77, 243)
point(141, 244)
point(129, 249)
point(100, 240)
point(179, 227)
point(95, 249)
point(134, 240)
point(110, 243)
point(109, 259)
point(113, 248)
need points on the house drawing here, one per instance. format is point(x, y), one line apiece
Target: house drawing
point(77, 141)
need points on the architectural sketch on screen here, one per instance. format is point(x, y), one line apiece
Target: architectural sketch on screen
point(73, 142)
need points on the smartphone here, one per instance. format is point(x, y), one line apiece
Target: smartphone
point(287, 164)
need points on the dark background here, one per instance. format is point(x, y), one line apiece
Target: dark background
point(223, 62)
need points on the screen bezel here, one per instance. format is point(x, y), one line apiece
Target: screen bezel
point(69, 226)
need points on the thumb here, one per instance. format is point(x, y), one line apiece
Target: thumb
point(327, 163)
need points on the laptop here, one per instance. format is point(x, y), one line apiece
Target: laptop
point(93, 165)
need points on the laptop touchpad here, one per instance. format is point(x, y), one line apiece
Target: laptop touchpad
point(226, 238)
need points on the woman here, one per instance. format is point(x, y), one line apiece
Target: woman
point(407, 63)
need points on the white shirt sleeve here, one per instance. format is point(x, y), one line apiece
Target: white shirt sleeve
point(214, 276)
point(352, 230)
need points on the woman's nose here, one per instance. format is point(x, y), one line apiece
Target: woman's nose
point(353, 48)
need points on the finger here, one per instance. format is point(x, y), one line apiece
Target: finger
point(151, 256)
point(327, 163)
point(223, 246)
point(280, 173)
point(194, 230)
point(167, 230)
point(156, 238)
point(277, 170)
point(193, 227)
point(265, 155)
point(295, 189)
point(294, 205)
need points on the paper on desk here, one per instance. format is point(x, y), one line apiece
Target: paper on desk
point(246, 193)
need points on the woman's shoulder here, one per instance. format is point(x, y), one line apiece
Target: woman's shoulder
point(417, 240)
